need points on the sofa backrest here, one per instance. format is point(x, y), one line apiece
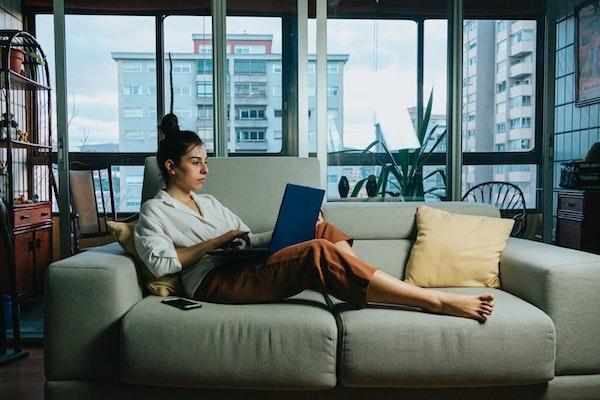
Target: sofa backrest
point(251, 187)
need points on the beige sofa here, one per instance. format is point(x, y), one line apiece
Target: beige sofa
point(104, 340)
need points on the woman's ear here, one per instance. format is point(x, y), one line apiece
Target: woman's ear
point(170, 166)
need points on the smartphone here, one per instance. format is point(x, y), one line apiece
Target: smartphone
point(181, 303)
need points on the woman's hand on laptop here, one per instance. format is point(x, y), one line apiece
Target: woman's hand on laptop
point(231, 239)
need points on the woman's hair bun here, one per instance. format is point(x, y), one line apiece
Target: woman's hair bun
point(169, 125)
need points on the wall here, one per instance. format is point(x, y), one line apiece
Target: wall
point(11, 16)
point(576, 128)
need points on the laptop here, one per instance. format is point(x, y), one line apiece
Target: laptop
point(296, 221)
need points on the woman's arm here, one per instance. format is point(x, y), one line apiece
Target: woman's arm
point(190, 255)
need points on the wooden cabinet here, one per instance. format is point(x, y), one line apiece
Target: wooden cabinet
point(578, 219)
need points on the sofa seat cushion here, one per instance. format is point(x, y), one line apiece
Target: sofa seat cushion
point(394, 346)
point(290, 344)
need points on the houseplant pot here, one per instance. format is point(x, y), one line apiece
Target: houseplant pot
point(17, 57)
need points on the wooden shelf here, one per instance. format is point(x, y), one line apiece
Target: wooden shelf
point(23, 145)
point(18, 81)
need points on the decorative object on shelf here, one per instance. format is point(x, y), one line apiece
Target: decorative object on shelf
point(23, 136)
point(587, 48)
point(35, 198)
point(408, 171)
point(17, 57)
point(343, 186)
point(20, 200)
point(37, 57)
point(13, 126)
point(579, 175)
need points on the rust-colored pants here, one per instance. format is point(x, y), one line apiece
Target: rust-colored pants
point(312, 264)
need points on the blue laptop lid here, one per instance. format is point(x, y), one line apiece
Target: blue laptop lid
point(297, 216)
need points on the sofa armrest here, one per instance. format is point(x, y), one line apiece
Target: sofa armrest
point(85, 297)
point(565, 284)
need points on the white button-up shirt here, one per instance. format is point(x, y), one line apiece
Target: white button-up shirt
point(166, 223)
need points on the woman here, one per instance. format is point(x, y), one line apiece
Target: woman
point(179, 227)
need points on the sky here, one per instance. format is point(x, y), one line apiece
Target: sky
point(379, 77)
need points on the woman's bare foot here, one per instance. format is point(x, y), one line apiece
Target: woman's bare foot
point(477, 307)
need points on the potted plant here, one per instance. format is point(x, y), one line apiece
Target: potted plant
point(17, 56)
point(408, 171)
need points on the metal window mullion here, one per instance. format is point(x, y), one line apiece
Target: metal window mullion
point(61, 125)
point(219, 12)
point(454, 105)
point(302, 78)
point(420, 72)
point(548, 121)
point(160, 70)
point(321, 72)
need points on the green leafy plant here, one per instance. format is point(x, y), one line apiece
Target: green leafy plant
point(408, 171)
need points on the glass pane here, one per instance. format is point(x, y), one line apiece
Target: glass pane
point(111, 81)
point(499, 85)
point(522, 175)
point(371, 87)
point(127, 181)
point(254, 94)
point(189, 42)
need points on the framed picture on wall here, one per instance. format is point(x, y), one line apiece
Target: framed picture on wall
point(587, 55)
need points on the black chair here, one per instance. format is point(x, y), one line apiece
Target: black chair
point(10, 273)
point(503, 195)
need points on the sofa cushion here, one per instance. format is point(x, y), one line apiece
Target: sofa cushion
point(393, 346)
point(291, 344)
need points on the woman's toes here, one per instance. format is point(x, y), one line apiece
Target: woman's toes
point(485, 311)
point(486, 297)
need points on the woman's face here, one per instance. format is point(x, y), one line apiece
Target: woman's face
point(191, 172)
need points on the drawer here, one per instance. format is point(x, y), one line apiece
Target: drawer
point(31, 215)
point(570, 203)
point(568, 233)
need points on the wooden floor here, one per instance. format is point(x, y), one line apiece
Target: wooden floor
point(24, 379)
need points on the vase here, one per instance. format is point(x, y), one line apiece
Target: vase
point(371, 186)
point(343, 186)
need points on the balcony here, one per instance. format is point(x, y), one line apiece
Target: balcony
point(521, 69)
point(521, 111)
point(521, 48)
point(500, 138)
point(251, 123)
point(521, 90)
point(520, 133)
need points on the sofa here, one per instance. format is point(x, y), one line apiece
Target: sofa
point(105, 340)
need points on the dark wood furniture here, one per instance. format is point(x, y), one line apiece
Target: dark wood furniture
point(578, 219)
point(25, 165)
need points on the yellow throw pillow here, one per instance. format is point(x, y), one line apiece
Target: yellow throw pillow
point(456, 250)
point(164, 286)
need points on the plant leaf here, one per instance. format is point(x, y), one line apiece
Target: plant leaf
point(357, 187)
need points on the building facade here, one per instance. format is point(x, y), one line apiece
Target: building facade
point(254, 92)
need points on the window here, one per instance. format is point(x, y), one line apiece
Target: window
point(250, 66)
point(242, 49)
point(132, 67)
point(277, 68)
point(471, 61)
point(470, 133)
point(469, 26)
point(183, 90)
point(526, 100)
point(520, 101)
point(205, 49)
point(501, 66)
point(332, 90)
point(468, 81)
point(133, 135)
point(521, 36)
point(525, 143)
point(182, 68)
point(205, 89)
point(501, 46)
point(500, 147)
point(250, 89)
point(333, 68)
point(471, 45)
point(471, 117)
point(205, 112)
point(501, 127)
point(501, 87)
point(276, 90)
point(500, 26)
point(204, 66)
point(250, 135)
point(251, 113)
point(131, 112)
point(151, 90)
point(311, 67)
point(183, 112)
point(501, 108)
point(151, 67)
point(277, 114)
point(526, 122)
point(519, 82)
point(132, 90)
